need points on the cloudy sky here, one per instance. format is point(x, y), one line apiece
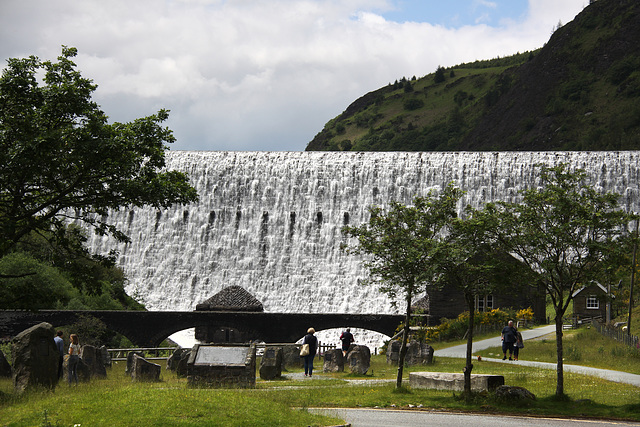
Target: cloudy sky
point(265, 74)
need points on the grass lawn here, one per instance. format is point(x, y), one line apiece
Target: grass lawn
point(116, 401)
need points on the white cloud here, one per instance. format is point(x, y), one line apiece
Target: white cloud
point(262, 75)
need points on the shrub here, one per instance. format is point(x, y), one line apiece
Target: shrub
point(413, 104)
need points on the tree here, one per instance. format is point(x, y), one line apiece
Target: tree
point(402, 247)
point(439, 76)
point(61, 161)
point(476, 266)
point(563, 231)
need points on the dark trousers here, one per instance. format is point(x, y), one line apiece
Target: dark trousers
point(73, 368)
point(308, 364)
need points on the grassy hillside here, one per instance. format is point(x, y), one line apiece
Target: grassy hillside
point(581, 91)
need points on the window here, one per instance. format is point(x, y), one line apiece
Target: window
point(592, 302)
point(484, 303)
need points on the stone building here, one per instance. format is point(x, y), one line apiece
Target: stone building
point(232, 298)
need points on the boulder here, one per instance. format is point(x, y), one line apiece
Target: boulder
point(393, 352)
point(509, 393)
point(291, 356)
point(35, 358)
point(418, 353)
point(92, 357)
point(143, 370)
point(181, 366)
point(333, 361)
point(106, 358)
point(271, 363)
point(130, 357)
point(176, 356)
point(359, 359)
point(5, 367)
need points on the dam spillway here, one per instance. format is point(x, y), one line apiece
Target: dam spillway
point(270, 221)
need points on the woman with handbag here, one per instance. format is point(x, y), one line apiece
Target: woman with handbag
point(308, 351)
point(518, 345)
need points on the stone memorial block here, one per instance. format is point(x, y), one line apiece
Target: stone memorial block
point(222, 366)
point(333, 361)
point(271, 363)
point(5, 367)
point(143, 370)
point(418, 353)
point(35, 358)
point(359, 359)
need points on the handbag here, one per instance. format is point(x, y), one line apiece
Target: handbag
point(304, 350)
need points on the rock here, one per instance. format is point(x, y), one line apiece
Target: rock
point(181, 367)
point(271, 363)
point(93, 359)
point(106, 358)
point(35, 358)
point(5, 367)
point(359, 359)
point(130, 357)
point(143, 370)
point(176, 356)
point(333, 361)
point(418, 353)
point(508, 392)
point(393, 352)
point(291, 356)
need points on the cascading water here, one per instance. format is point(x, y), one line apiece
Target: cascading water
point(270, 221)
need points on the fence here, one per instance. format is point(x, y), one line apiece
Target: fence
point(617, 334)
point(155, 353)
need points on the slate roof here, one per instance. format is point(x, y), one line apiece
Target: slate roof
point(232, 298)
point(421, 304)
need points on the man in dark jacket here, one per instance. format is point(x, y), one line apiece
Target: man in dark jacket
point(347, 339)
point(508, 337)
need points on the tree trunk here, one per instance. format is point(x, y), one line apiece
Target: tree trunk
point(469, 366)
point(403, 345)
point(560, 368)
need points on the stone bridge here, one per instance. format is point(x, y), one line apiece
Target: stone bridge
point(150, 328)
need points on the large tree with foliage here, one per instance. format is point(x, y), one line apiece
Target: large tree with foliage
point(402, 246)
point(563, 230)
point(476, 267)
point(60, 160)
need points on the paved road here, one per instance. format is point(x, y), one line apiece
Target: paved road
point(460, 351)
point(386, 418)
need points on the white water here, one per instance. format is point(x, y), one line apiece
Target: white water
point(270, 221)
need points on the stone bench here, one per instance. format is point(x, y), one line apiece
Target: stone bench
point(454, 381)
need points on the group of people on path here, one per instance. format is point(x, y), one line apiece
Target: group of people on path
point(312, 341)
point(511, 341)
point(74, 356)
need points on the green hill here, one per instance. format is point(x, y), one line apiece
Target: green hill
point(581, 91)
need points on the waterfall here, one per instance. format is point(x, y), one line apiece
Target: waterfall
point(270, 221)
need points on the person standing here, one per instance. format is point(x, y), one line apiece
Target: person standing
point(312, 340)
point(74, 358)
point(508, 337)
point(60, 346)
point(347, 339)
point(518, 344)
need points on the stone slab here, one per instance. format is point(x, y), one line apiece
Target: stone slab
point(454, 381)
point(210, 355)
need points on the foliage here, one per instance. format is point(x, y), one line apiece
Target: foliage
point(60, 160)
point(453, 329)
point(563, 230)
point(403, 247)
point(525, 313)
point(36, 285)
